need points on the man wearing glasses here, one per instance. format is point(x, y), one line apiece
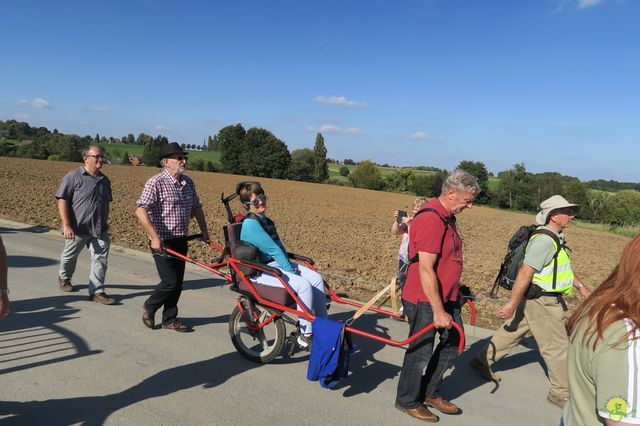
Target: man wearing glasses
point(430, 295)
point(83, 202)
point(546, 268)
point(168, 201)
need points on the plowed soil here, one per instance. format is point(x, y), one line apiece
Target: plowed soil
point(345, 230)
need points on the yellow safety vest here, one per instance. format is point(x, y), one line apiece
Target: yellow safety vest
point(564, 273)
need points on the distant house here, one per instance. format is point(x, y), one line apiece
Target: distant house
point(135, 160)
point(26, 142)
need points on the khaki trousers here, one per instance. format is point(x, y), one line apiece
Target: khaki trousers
point(544, 318)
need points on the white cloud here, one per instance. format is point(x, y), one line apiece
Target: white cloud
point(332, 129)
point(162, 128)
point(340, 100)
point(420, 135)
point(98, 109)
point(36, 103)
point(583, 4)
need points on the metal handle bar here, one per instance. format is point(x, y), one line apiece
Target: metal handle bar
point(411, 338)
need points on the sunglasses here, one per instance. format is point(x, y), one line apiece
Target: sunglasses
point(260, 199)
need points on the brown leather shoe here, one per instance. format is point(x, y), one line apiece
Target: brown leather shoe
point(102, 298)
point(65, 284)
point(148, 318)
point(442, 405)
point(177, 326)
point(421, 413)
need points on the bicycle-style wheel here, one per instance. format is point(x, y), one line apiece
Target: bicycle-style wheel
point(262, 346)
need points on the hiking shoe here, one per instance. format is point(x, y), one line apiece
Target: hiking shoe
point(304, 341)
point(65, 284)
point(176, 325)
point(102, 298)
point(557, 400)
point(420, 412)
point(483, 369)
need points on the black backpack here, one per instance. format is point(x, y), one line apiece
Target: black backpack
point(514, 257)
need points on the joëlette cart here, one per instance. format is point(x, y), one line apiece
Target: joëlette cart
point(257, 323)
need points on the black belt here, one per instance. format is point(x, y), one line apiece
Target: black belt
point(558, 296)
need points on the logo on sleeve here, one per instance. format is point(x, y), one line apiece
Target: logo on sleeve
point(617, 408)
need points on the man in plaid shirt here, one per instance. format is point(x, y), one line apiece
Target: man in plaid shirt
point(167, 203)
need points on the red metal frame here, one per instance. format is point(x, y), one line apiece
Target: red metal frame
point(304, 312)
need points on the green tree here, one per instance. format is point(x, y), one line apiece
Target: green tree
point(344, 171)
point(213, 143)
point(576, 193)
point(367, 176)
point(210, 167)
point(125, 159)
point(400, 180)
point(479, 171)
point(151, 151)
point(543, 186)
point(428, 185)
point(624, 208)
point(321, 168)
point(197, 164)
point(131, 140)
point(264, 154)
point(231, 140)
point(514, 189)
point(302, 165)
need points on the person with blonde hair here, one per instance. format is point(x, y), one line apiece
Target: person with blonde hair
point(604, 349)
point(401, 227)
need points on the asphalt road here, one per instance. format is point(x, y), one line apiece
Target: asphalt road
point(65, 360)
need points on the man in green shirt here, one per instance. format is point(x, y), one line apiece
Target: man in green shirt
point(547, 266)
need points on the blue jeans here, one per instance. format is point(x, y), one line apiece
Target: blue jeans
point(416, 384)
point(99, 251)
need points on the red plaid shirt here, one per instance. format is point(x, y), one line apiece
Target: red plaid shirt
point(170, 203)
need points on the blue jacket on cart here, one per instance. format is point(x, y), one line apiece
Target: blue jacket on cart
point(330, 353)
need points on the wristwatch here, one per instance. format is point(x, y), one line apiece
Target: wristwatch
point(4, 291)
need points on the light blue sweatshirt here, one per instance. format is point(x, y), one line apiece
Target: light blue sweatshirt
point(253, 233)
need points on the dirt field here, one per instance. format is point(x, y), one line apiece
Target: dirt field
point(345, 230)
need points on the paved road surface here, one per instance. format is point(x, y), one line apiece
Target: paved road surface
point(65, 360)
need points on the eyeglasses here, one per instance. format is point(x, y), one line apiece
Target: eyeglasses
point(97, 157)
point(260, 199)
point(179, 158)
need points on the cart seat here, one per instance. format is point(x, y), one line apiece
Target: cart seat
point(277, 295)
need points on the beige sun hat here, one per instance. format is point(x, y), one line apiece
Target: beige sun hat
point(550, 204)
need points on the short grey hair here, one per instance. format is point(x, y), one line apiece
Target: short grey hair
point(85, 151)
point(461, 180)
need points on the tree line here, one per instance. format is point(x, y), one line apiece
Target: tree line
point(258, 152)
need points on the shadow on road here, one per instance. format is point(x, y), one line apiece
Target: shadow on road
point(35, 229)
point(30, 262)
point(94, 410)
point(464, 379)
point(366, 372)
point(33, 331)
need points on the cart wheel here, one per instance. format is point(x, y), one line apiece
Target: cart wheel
point(267, 343)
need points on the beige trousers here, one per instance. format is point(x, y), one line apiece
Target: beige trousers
point(544, 318)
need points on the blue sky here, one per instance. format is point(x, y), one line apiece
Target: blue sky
point(551, 83)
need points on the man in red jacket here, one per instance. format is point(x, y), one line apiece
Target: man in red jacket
point(430, 295)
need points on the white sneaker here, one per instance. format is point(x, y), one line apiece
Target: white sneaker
point(304, 341)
